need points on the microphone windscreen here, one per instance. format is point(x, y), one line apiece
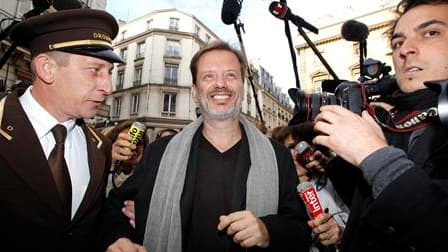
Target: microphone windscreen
point(41, 4)
point(353, 30)
point(278, 10)
point(136, 131)
point(302, 146)
point(230, 11)
point(66, 4)
point(309, 196)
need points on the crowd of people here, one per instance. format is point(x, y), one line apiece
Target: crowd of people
point(219, 184)
point(310, 164)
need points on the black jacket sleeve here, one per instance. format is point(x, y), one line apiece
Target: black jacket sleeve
point(288, 229)
point(138, 188)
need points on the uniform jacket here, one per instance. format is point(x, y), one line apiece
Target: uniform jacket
point(30, 209)
point(288, 229)
point(411, 213)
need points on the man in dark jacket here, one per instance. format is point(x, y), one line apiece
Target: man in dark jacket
point(398, 187)
point(217, 185)
point(53, 167)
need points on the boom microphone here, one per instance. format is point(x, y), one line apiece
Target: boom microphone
point(353, 30)
point(309, 196)
point(281, 11)
point(230, 11)
point(136, 131)
point(41, 4)
point(66, 4)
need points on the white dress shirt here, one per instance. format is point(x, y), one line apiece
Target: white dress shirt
point(75, 145)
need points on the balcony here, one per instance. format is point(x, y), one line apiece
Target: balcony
point(170, 81)
point(173, 28)
point(139, 56)
point(168, 114)
point(119, 86)
point(136, 83)
point(172, 55)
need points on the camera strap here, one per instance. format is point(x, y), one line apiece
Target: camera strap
point(411, 111)
point(403, 122)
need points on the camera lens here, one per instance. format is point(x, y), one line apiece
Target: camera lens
point(307, 106)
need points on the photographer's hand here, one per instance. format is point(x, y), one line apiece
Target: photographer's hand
point(350, 136)
point(318, 162)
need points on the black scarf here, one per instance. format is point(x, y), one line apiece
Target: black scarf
point(411, 111)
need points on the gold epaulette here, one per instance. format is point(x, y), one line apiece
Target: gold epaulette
point(2, 108)
point(98, 141)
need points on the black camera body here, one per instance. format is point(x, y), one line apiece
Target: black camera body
point(354, 96)
point(349, 95)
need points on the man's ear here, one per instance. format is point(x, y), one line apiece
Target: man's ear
point(194, 93)
point(45, 68)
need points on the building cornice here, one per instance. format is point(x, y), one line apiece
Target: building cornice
point(164, 87)
point(153, 32)
point(334, 38)
point(155, 12)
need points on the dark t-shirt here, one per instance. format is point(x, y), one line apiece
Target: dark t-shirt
point(212, 192)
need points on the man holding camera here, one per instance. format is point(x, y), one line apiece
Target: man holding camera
point(398, 186)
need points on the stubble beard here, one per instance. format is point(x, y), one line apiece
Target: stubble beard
point(220, 115)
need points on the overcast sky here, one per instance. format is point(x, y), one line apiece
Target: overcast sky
point(264, 39)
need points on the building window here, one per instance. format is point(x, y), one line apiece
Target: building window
point(138, 75)
point(135, 103)
point(174, 24)
point(207, 38)
point(149, 24)
point(356, 72)
point(248, 97)
point(120, 80)
point(124, 53)
point(123, 35)
point(196, 30)
point(172, 48)
point(171, 74)
point(317, 81)
point(169, 104)
point(318, 87)
point(117, 106)
point(140, 52)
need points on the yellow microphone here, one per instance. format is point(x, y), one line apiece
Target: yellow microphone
point(136, 131)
